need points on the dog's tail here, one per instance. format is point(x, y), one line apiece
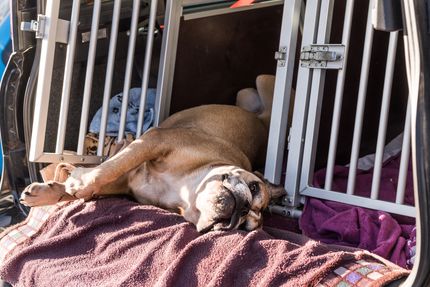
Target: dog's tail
point(259, 100)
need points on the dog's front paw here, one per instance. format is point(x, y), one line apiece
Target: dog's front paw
point(83, 183)
point(38, 194)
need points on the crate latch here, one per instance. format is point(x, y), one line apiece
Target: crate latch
point(322, 56)
point(281, 56)
point(38, 26)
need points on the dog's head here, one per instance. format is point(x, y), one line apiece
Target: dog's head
point(230, 197)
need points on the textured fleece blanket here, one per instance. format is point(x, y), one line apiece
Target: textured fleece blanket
point(116, 242)
point(391, 237)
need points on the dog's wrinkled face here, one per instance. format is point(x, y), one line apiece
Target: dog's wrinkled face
point(230, 197)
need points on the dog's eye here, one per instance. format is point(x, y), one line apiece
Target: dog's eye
point(224, 176)
point(254, 187)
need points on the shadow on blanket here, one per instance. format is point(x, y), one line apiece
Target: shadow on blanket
point(116, 242)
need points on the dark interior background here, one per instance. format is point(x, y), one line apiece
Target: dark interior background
point(219, 55)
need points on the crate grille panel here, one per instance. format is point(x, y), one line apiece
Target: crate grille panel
point(305, 127)
point(50, 37)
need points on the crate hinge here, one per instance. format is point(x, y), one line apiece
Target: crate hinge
point(286, 211)
point(281, 56)
point(38, 26)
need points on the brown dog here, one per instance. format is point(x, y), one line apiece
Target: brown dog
point(198, 162)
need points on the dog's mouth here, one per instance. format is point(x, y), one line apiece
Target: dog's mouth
point(225, 225)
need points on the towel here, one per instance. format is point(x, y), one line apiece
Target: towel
point(376, 231)
point(117, 242)
point(114, 113)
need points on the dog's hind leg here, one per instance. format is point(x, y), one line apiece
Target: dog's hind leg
point(52, 192)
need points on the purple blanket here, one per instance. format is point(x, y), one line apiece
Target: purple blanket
point(115, 242)
point(376, 231)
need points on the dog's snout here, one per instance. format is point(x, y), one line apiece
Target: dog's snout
point(231, 180)
point(239, 189)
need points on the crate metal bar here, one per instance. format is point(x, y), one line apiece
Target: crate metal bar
point(316, 97)
point(361, 101)
point(68, 74)
point(298, 127)
point(413, 69)
point(198, 2)
point(147, 65)
point(129, 68)
point(360, 201)
point(407, 58)
point(389, 72)
point(339, 96)
point(302, 17)
point(414, 72)
point(406, 145)
point(404, 159)
point(44, 82)
point(69, 158)
point(282, 92)
point(408, 131)
point(411, 53)
point(89, 77)
point(167, 60)
point(109, 73)
point(222, 11)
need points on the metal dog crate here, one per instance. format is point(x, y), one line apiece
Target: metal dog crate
point(311, 23)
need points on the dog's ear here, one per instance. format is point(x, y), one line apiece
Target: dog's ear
point(275, 191)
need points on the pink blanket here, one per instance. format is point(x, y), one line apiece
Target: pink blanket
point(376, 231)
point(116, 242)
